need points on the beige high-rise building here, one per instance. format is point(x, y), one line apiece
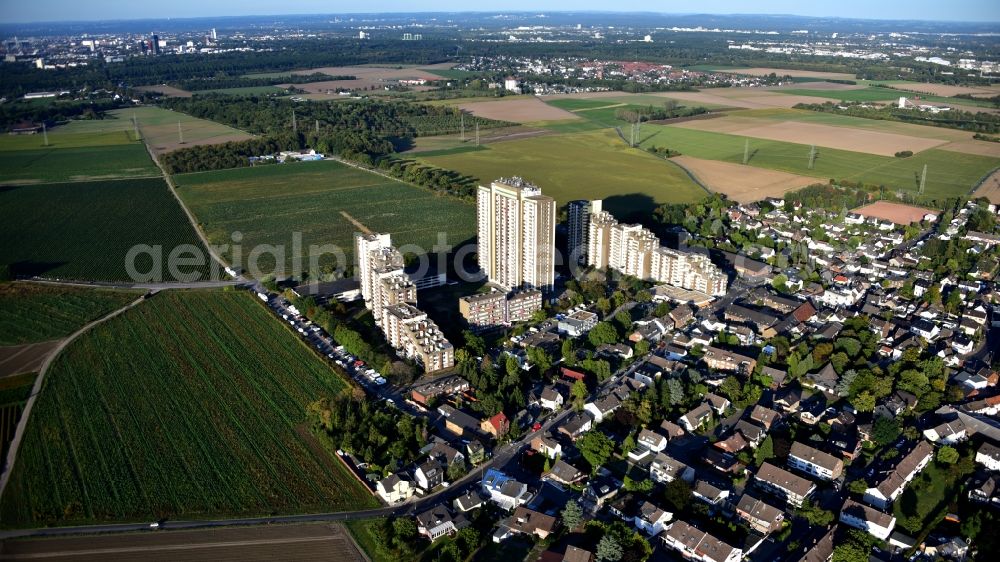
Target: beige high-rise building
point(599, 239)
point(517, 229)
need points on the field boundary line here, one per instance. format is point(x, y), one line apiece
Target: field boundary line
point(691, 175)
point(191, 219)
point(983, 180)
point(36, 389)
point(358, 224)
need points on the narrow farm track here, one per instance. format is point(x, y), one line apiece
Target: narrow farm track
point(22, 424)
point(194, 223)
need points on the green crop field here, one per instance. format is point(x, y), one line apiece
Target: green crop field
point(867, 94)
point(268, 204)
point(14, 392)
point(244, 91)
point(45, 165)
point(590, 165)
point(85, 230)
point(949, 174)
point(34, 313)
point(767, 116)
point(191, 405)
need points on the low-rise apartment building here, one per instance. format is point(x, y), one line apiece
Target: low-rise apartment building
point(817, 463)
point(860, 516)
point(895, 482)
point(783, 484)
point(695, 544)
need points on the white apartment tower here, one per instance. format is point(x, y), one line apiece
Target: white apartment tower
point(517, 228)
point(391, 295)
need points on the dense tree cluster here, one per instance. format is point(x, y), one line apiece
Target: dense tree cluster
point(225, 81)
point(384, 437)
point(978, 122)
point(13, 113)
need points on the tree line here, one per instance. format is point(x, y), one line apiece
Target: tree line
point(225, 81)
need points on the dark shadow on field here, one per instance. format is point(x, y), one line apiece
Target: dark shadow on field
point(630, 207)
point(29, 268)
point(751, 155)
point(9, 188)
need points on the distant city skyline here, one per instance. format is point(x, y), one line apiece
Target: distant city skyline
point(71, 10)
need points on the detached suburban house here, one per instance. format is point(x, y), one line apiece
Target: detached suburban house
point(394, 488)
point(651, 519)
point(525, 521)
point(696, 417)
point(437, 522)
point(666, 469)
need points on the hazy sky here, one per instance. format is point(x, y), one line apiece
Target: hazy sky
point(61, 10)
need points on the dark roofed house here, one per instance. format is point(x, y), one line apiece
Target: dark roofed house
point(764, 416)
point(825, 380)
point(761, 517)
point(565, 473)
point(696, 417)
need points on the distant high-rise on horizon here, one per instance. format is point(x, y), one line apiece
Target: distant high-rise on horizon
point(517, 230)
point(154, 44)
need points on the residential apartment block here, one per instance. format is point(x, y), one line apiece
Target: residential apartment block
point(817, 463)
point(862, 517)
point(783, 484)
point(516, 226)
point(893, 485)
point(391, 296)
point(636, 251)
point(499, 308)
point(694, 544)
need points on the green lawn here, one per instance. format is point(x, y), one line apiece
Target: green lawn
point(85, 230)
point(590, 165)
point(34, 313)
point(363, 532)
point(191, 405)
point(915, 508)
point(268, 204)
point(949, 174)
point(768, 116)
point(84, 163)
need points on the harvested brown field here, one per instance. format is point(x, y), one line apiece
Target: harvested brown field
point(990, 188)
point(522, 109)
point(758, 71)
point(842, 138)
point(367, 77)
point(743, 184)
point(829, 136)
point(27, 358)
point(897, 213)
point(301, 542)
point(972, 146)
point(169, 91)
